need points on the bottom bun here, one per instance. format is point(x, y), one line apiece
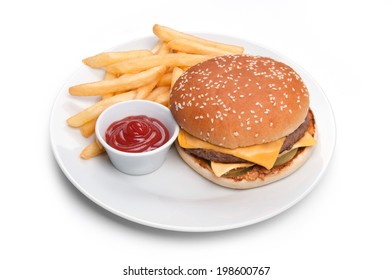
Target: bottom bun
point(259, 176)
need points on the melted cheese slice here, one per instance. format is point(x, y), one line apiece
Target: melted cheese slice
point(262, 154)
point(220, 169)
point(306, 141)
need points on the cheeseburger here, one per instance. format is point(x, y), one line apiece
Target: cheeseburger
point(245, 120)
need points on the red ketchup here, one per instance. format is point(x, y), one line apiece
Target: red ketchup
point(136, 134)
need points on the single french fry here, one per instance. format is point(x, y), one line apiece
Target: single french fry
point(163, 99)
point(184, 68)
point(177, 72)
point(121, 84)
point(88, 128)
point(143, 63)
point(167, 34)
point(96, 109)
point(165, 79)
point(107, 58)
point(109, 76)
point(163, 49)
point(158, 91)
point(143, 92)
point(195, 47)
point(92, 150)
point(157, 46)
point(107, 95)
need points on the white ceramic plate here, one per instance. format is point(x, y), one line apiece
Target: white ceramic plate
point(175, 197)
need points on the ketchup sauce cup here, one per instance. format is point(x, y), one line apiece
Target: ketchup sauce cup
point(137, 163)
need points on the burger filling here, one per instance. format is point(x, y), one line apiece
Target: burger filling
point(213, 155)
point(240, 161)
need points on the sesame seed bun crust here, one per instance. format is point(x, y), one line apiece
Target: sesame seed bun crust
point(239, 100)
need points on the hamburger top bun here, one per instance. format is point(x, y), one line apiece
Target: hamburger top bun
point(239, 100)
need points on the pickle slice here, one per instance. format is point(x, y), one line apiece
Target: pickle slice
point(286, 157)
point(237, 172)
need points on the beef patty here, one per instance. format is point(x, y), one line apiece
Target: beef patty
point(291, 139)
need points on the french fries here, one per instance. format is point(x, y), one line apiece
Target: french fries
point(163, 99)
point(167, 34)
point(141, 74)
point(142, 63)
point(107, 58)
point(163, 48)
point(163, 90)
point(96, 109)
point(165, 80)
point(145, 91)
point(121, 84)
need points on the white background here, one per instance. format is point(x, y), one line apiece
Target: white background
point(342, 230)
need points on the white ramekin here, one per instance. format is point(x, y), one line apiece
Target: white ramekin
point(136, 163)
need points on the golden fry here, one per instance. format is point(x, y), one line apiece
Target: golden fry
point(158, 91)
point(143, 63)
point(184, 68)
point(167, 34)
point(121, 84)
point(88, 128)
point(109, 76)
point(177, 72)
point(163, 99)
point(92, 150)
point(165, 79)
point(163, 49)
point(157, 46)
point(195, 47)
point(146, 90)
point(107, 58)
point(96, 109)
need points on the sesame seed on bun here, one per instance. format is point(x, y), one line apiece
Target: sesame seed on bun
point(239, 100)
